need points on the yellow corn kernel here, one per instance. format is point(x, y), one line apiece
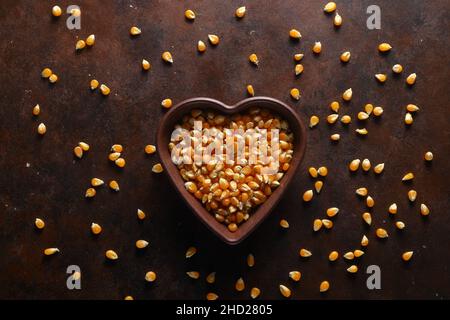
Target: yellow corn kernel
point(411, 79)
point(253, 58)
point(105, 89)
point(365, 165)
point(322, 171)
point(80, 45)
point(284, 224)
point(324, 286)
point(381, 77)
point(167, 57)
point(308, 195)
point(333, 256)
point(134, 31)
point(408, 176)
point(428, 156)
point(327, 223)
point(335, 106)
point(361, 192)
point(295, 94)
point(335, 137)
point(193, 274)
point(424, 210)
point(393, 208)
point(96, 228)
point(384, 47)
point(56, 11)
point(240, 12)
point(412, 108)
point(250, 90)
point(367, 217)
point(90, 40)
point(313, 172)
point(113, 156)
point(157, 168)
point(255, 292)
point(128, 298)
point(120, 162)
point(378, 168)
point(240, 285)
point(298, 56)
point(381, 233)
point(111, 255)
point(295, 34)
point(305, 253)
point(317, 48)
point(84, 146)
point(397, 68)
point(141, 214)
point(190, 186)
point(211, 278)
point(406, 256)
point(94, 84)
point(285, 291)
point(250, 260)
point(50, 251)
point(337, 21)
point(370, 202)
point(400, 225)
point(78, 151)
point(331, 212)
point(298, 69)
point(313, 121)
point(354, 165)
point(368, 108)
point(347, 94)
point(166, 103)
point(90, 193)
point(408, 118)
point(364, 241)
point(317, 224)
point(295, 275)
point(149, 149)
point(358, 253)
point(150, 276)
point(141, 244)
point(318, 186)
point(189, 14)
point(378, 111)
point(46, 72)
point(95, 182)
point(349, 255)
point(118, 148)
point(352, 269)
point(211, 296)
point(146, 65)
point(362, 131)
point(346, 119)
point(345, 56)
point(114, 185)
point(39, 223)
point(332, 118)
point(362, 115)
point(412, 195)
point(190, 252)
point(329, 7)
point(53, 78)
point(213, 39)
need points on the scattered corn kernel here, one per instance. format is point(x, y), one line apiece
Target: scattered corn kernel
point(128, 298)
point(335, 137)
point(298, 69)
point(149, 149)
point(150, 276)
point(347, 95)
point(201, 46)
point(428, 156)
point(424, 210)
point(381, 77)
point(94, 84)
point(56, 11)
point(284, 223)
point(412, 108)
point(358, 253)
point(78, 151)
point(190, 252)
point(370, 202)
point(365, 165)
point(361, 192)
point(90, 193)
point(120, 162)
point(253, 58)
point(298, 56)
point(114, 156)
point(134, 31)
point(250, 90)
point(166, 103)
point(322, 171)
point(367, 217)
point(105, 89)
point(117, 148)
point(362, 115)
point(193, 274)
point(240, 12)
point(384, 47)
point(412, 195)
point(332, 118)
point(80, 45)
point(408, 176)
point(337, 21)
point(368, 108)
point(364, 241)
point(397, 68)
point(354, 165)
point(305, 253)
point(53, 78)
point(349, 255)
point(39, 223)
point(393, 208)
point(111, 255)
point(114, 185)
point(333, 256)
point(327, 223)
point(362, 131)
point(255, 292)
point(408, 118)
point(411, 79)
point(317, 48)
point(406, 256)
point(317, 224)
point(324, 286)
point(46, 72)
point(211, 278)
point(308, 195)
point(381, 233)
point(378, 111)
point(214, 39)
point(346, 119)
point(285, 291)
point(352, 269)
point(211, 296)
point(141, 244)
point(295, 34)
point(334, 105)
point(329, 7)
point(96, 228)
point(250, 260)
point(240, 285)
point(400, 225)
point(331, 212)
point(95, 182)
point(378, 168)
point(145, 65)
point(90, 40)
point(50, 251)
point(189, 14)
point(167, 57)
point(157, 168)
point(313, 121)
point(345, 56)
point(318, 186)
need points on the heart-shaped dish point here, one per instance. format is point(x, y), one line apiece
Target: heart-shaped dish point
point(174, 117)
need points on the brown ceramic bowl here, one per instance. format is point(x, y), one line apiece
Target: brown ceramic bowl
point(174, 116)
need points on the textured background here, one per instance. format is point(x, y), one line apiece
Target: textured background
point(54, 184)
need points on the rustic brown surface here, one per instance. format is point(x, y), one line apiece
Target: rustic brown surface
point(54, 184)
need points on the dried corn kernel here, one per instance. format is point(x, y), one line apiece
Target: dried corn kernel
point(411, 79)
point(400, 225)
point(318, 186)
point(255, 292)
point(90, 40)
point(167, 57)
point(111, 255)
point(250, 90)
point(141, 214)
point(114, 156)
point(324, 286)
point(250, 260)
point(428, 156)
point(94, 84)
point(365, 165)
point(368, 108)
point(295, 34)
point(295, 94)
point(381, 77)
point(317, 224)
point(140, 244)
point(80, 45)
point(56, 11)
point(150, 276)
point(352, 269)
point(381, 233)
point(146, 65)
point(406, 256)
point(105, 90)
point(53, 78)
point(285, 291)
point(335, 137)
point(384, 47)
point(78, 151)
point(298, 69)
point(333, 256)
point(345, 56)
point(358, 253)
point(412, 108)
point(308, 195)
point(134, 31)
point(193, 274)
point(166, 103)
point(305, 253)
point(335, 106)
point(211, 278)
point(322, 171)
point(284, 223)
point(346, 119)
point(367, 217)
point(96, 228)
point(253, 58)
point(362, 131)
point(190, 252)
point(347, 94)
point(46, 72)
point(120, 162)
point(327, 223)
point(313, 121)
point(378, 168)
point(201, 46)
point(393, 208)
point(361, 192)
point(39, 223)
point(337, 21)
point(240, 12)
point(317, 48)
point(51, 251)
point(157, 168)
point(128, 298)
point(149, 149)
point(211, 296)
point(412, 195)
point(370, 202)
point(364, 241)
point(114, 185)
point(362, 115)
point(329, 7)
point(240, 285)
point(408, 118)
point(424, 210)
point(332, 118)
point(214, 39)
point(189, 14)
point(408, 176)
point(95, 182)
point(397, 68)
point(298, 56)
point(349, 255)
point(331, 212)
point(90, 193)
point(378, 111)
point(354, 165)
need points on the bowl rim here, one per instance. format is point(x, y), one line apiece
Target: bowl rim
point(174, 115)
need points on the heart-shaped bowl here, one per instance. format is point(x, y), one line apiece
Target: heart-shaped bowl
point(174, 117)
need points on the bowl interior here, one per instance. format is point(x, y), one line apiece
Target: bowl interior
point(174, 116)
